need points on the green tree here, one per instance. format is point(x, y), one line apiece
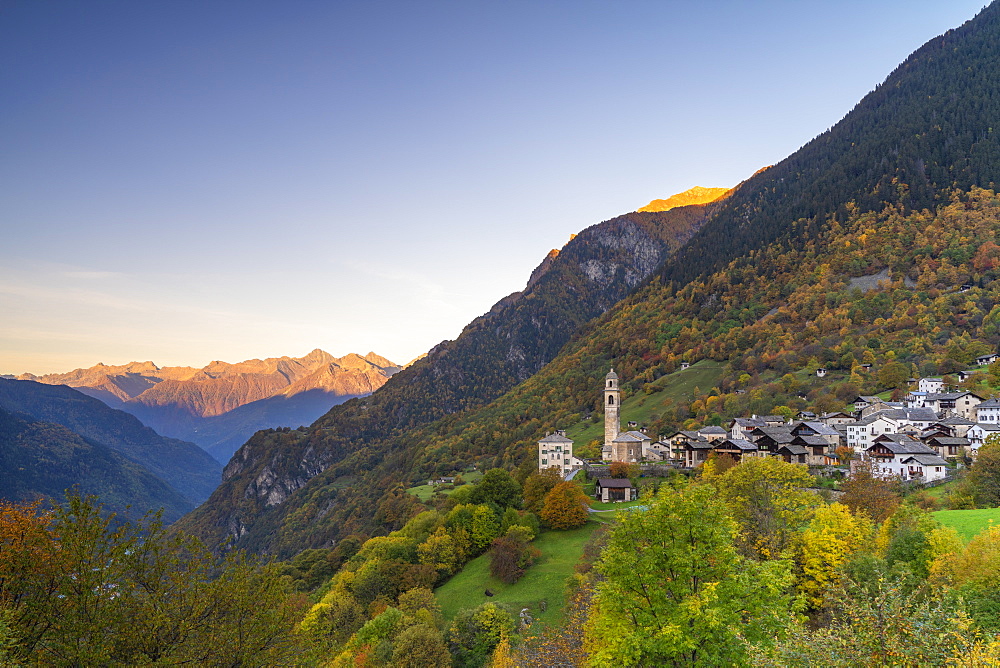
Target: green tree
point(893, 375)
point(474, 634)
point(566, 506)
point(984, 476)
point(497, 486)
point(128, 594)
point(677, 592)
point(767, 497)
point(889, 620)
point(485, 527)
point(420, 646)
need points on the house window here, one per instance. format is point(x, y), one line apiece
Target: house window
point(545, 461)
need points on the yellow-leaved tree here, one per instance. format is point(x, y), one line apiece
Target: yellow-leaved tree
point(823, 547)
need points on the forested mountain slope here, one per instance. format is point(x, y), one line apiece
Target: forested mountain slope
point(184, 466)
point(41, 460)
point(515, 339)
point(763, 287)
point(931, 127)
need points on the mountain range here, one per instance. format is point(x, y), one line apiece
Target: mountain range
point(221, 405)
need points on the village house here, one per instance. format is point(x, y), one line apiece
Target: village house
point(615, 489)
point(958, 425)
point(818, 452)
point(831, 435)
point(906, 458)
point(741, 427)
point(948, 447)
point(556, 450)
point(769, 439)
point(978, 434)
point(864, 401)
point(793, 454)
point(836, 418)
point(947, 403)
point(985, 360)
point(930, 385)
point(737, 448)
point(988, 411)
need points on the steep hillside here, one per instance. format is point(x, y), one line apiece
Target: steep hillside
point(773, 295)
point(928, 129)
point(195, 404)
point(515, 339)
point(184, 466)
point(41, 460)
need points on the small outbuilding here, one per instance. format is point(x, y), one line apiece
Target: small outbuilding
point(615, 489)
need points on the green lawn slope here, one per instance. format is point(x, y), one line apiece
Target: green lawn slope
point(544, 581)
point(968, 522)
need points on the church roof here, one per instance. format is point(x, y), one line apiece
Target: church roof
point(630, 437)
point(638, 434)
point(611, 375)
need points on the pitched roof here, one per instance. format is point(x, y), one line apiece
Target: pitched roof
point(959, 420)
point(639, 435)
point(776, 434)
point(739, 443)
point(821, 428)
point(619, 483)
point(627, 437)
point(811, 440)
point(949, 440)
point(793, 449)
point(907, 447)
point(555, 438)
point(946, 396)
point(926, 460)
point(990, 403)
point(749, 422)
point(712, 429)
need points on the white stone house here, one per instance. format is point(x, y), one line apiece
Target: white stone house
point(978, 434)
point(988, 412)
point(930, 385)
point(555, 450)
point(862, 433)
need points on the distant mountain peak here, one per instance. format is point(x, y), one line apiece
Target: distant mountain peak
point(696, 195)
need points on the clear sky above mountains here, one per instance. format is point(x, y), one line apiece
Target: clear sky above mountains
point(189, 181)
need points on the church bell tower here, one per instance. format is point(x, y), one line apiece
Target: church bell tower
point(612, 401)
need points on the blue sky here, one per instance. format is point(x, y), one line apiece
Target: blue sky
point(190, 181)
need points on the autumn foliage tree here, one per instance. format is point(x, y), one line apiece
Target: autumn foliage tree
point(870, 492)
point(537, 486)
point(565, 506)
point(511, 554)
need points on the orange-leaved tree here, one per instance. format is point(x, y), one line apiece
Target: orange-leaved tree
point(565, 506)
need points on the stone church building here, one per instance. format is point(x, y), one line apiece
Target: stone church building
point(556, 450)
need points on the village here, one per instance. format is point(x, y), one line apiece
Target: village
point(923, 438)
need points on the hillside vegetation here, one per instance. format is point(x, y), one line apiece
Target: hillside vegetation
point(763, 289)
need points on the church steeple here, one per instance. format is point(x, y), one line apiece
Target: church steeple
point(612, 401)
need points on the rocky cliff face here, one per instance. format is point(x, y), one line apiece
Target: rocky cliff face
point(521, 333)
point(696, 195)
